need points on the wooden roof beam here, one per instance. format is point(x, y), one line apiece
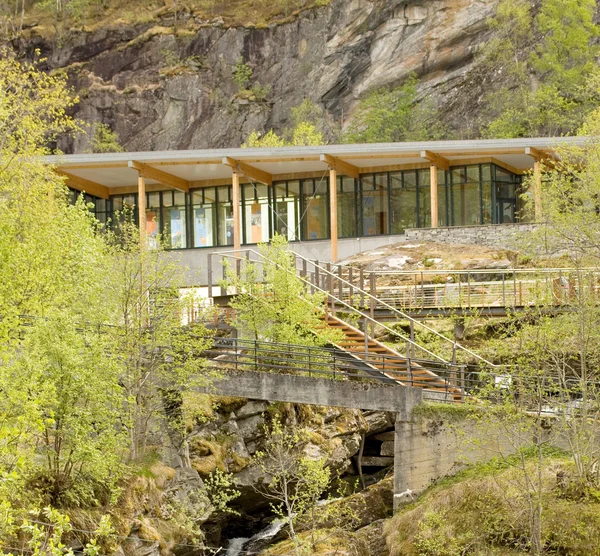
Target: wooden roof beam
point(540, 156)
point(88, 186)
point(251, 172)
point(340, 166)
point(434, 158)
point(160, 176)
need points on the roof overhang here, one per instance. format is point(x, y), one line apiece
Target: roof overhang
point(118, 172)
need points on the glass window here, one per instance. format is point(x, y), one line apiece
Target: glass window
point(403, 201)
point(153, 226)
point(315, 223)
point(285, 218)
point(174, 220)
point(466, 200)
point(203, 206)
point(346, 207)
point(256, 213)
point(224, 216)
point(374, 204)
point(424, 202)
point(443, 199)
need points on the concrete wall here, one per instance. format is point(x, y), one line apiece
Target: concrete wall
point(502, 236)
point(429, 448)
point(195, 260)
point(316, 391)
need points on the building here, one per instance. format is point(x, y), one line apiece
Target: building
point(210, 199)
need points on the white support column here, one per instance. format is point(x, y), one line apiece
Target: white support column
point(237, 221)
point(433, 184)
point(142, 209)
point(333, 217)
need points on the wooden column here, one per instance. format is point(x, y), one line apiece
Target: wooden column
point(235, 199)
point(333, 213)
point(142, 209)
point(537, 190)
point(433, 184)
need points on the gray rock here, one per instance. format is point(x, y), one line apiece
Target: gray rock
point(253, 407)
point(378, 421)
point(332, 55)
point(251, 428)
point(387, 449)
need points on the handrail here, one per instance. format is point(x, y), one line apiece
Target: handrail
point(341, 302)
point(455, 344)
point(471, 271)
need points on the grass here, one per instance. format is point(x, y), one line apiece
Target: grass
point(178, 15)
point(484, 509)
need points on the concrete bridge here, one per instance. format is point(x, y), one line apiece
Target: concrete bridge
point(418, 458)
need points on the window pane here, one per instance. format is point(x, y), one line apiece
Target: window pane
point(486, 198)
point(203, 218)
point(174, 232)
point(473, 173)
point(256, 207)
point(225, 217)
point(375, 205)
point(403, 202)
point(465, 204)
point(315, 218)
point(346, 207)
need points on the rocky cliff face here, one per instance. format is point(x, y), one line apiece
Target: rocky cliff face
point(160, 88)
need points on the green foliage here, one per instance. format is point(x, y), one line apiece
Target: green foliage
point(220, 490)
point(105, 140)
point(294, 482)
point(547, 90)
point(485, 513)
point(388, 115)
point(44, 534)
point(307, 129)
point(242, 74)
point(159, 357)
point(273, 304)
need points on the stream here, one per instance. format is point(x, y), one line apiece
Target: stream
point(252, 545)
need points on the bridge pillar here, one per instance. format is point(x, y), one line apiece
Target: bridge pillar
point(404, 451)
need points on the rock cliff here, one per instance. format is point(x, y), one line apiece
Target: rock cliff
point(161, 86)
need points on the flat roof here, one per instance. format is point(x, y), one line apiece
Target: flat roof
point(113, 173)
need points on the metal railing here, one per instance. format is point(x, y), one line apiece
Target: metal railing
point(328, 362)
point(456, 383)
point(350, 302)
point(472, 289)
point(350, 312)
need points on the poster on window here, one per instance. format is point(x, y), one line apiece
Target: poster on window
point(200, 227)
point(176, 229)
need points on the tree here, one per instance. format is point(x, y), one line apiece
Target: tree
point(104, 140)
point(308, 129)
point(293, 481)
point(158, 357)
point(393, 114)
point(545, 82)
point(272, 302)
point(59, 416)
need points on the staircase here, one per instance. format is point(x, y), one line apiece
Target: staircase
point(377, 358)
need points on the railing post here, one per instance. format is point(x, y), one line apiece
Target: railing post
point(503, 290)
point(361, 285)
point(366, 334)
point(340, 282)
point(316, 275)
point(412, 337)
point(408, 364)
point(209, 275)
point(469, 290)
point(372, 302)
point(223, 259)
point(514, 288)
point(304, 269)
point(351, 292)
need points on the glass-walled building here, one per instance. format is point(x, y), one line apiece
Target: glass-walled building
point(378, 203)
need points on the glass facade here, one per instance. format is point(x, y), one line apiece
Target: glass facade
point(376, 204)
